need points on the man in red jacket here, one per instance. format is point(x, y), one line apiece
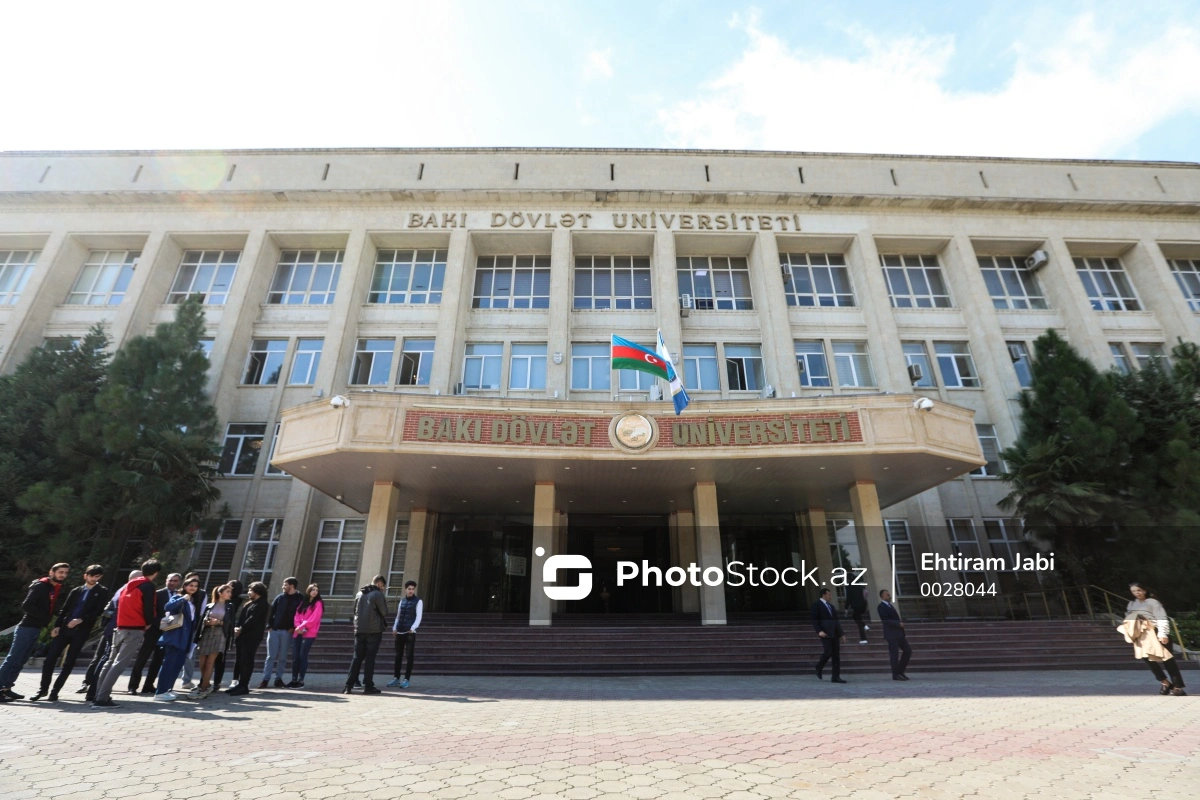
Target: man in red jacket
point(136, 612)
point(39, 607)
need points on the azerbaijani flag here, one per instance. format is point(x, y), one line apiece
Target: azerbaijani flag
point(627, 355)
point(679, 395)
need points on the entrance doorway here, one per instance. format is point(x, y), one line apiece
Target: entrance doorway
point(607, 539)
point(482, 564)
point(770, 542)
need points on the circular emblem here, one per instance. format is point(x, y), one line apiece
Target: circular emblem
point(633, 432)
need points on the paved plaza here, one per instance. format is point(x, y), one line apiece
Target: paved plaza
point(1000, 735)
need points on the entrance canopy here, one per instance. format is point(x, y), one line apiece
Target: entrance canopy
point(485, 455)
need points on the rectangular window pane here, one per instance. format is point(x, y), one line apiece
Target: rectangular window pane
point(918, 285)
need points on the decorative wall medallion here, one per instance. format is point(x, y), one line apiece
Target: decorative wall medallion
point(633, 432)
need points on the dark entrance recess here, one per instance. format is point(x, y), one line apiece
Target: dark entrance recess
point(482, 564)
point(609, 539)
point(764, 541)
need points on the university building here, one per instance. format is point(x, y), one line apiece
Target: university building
point(410, 349)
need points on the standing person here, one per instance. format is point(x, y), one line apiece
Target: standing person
point(41, 601)
point(151, 655)
point(248, 635)
point(189, 663)
point(305, 625)
point(281, 628)
point(76, 618)
point(105, 647)
point(177, 642)
point(370, 618)
point(236, 599)
point(825, 622)
point(216, 628)
point(856, 599)
point(1148, 629)
point(408, 618)
point(893, 633)
point(136, 612)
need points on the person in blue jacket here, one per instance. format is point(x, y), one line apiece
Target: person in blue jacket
point(178, 641)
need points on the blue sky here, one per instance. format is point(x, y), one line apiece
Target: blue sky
point(1087, 80)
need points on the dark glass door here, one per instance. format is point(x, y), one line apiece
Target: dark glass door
point(765, 542)
point(482, 564)
point(605, 540)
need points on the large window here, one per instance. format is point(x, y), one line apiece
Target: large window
point(416, 362)
point(915, 282)
point(632, 380)
point(481, 365)
point(989, 443)
point(207, 274)
point(372, 364)
point(816, 279)
point(395, 584)
point(1146, 353)
point(915, 355)
point(104, 278)
point(744, 367)
point(338, 556)
point(908, 583)
point(853, 364)
point(527, 367)
point(512, 282)
point(591, 367)
point(15, 268)
point(1187, 275)
point(621, 282)
point(212, 555)
point(1107, 286)
point(1018, 353)
point(956, 365)
point(812, 364)
point(408, 276)
point(306, 361)
point(1006, 539)
point(700, 368)
point(718, 282)
point(243, 444)
point(843, 546)
point(1120, 358)
point(265, 363)
point(1010, 284)
point(306, 277)
point(965, 544)
point(258, 564)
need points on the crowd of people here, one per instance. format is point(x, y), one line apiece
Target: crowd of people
point(159, 636)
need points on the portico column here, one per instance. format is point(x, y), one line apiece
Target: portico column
point(385, 499)
point(708, 546)
point(540, 608)
point(819, 536)
point(684, 528)
point(414, 552)
point(872, 540)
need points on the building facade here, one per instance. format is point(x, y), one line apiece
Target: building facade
point(458, 304)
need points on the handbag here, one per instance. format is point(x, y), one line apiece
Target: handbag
point(170, 622)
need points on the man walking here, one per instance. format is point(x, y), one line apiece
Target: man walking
point(150, 651)
point(408, 618)
point(370, 617)
point(109, 617)
point(825, 622)
point(856, 599)
point(280, 627)
point(41, 601)
point(136, 612)
point(76, 618)
point(893, 633)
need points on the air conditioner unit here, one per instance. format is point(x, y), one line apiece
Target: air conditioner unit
point(1036, 260)
point(685, 305)
point(1015, 353)
point(656, 393)
point(915, 373)
point(458, 388)
point(768, 391)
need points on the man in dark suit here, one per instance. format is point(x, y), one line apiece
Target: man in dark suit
point(150, 651)
point(893, 634)
point(829, 630)
point(73, 624)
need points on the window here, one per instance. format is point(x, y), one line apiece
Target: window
point(908, 584)
point(853, 364)
point(265, 362)
point(843, 544)
point(1018, 353)
point(965, 544)
point(212, 555)
point(306, 277)
point(205, 273)
point(61, 344)
point(1006, 538)
point(1106, 284)
point(15, 268)
point(700, 368)
point(206, 347)
point(408, 276)
point(915, 282)
point(621, 282)
point(591, 367)
point(396, 564)
point(1186, 272)
point(1145, 353)
point(527, 367)
point(243, 443)
point(104, 278)
point(338, 556)
point(1120, 358)
point(915, 355)
point(372, 364)
point(718, 282)
point(632, 380)
point(811, 363)
point(481, 366)
point(259, 561)
point(816, 279)
point(1010, 284)
point(271, 468)
point(744, 367)
point(956, 365)
point(306, 361)
point(990, 445)
point(416, 362)
point(512, 282)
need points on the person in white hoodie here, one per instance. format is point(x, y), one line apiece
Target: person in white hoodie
point(408, 619)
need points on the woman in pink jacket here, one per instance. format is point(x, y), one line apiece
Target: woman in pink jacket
point(307, 623)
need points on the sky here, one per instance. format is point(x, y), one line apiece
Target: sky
point(1045, 80)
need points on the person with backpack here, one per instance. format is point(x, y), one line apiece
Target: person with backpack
point(307, 623)
point(76, 618)
point(370, 618)
point(41, 602)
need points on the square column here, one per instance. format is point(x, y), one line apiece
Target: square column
point(414, 553)
point(541, 609)
point(872, 540)
point(708, 547)
point(815, 523)
point(683, 536)
point(381, 519)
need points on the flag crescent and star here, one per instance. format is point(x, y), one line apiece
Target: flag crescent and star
point(657, 362)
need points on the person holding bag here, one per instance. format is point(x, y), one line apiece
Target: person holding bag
point(1148, 629)
point(178, 627)
point(216, 629)
point(307, 623)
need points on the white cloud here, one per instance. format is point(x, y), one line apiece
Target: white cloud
point(1087, 94)
point(598, 65)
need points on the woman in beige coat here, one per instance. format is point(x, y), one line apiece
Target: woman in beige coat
point(1148, 628)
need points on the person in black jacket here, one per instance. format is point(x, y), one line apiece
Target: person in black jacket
point(893, 633)
point(235, 605)
point(109, 620)
point(825, 622)
point(40, 604)
point(281, 626)
point(75, 619)
point(151, 653)
point(248, 635)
